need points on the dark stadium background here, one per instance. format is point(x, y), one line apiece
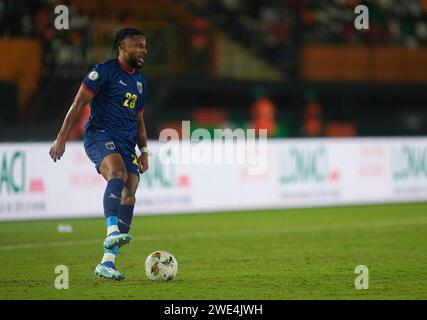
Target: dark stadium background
point(298, 68)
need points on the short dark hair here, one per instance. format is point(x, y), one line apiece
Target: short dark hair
point(122, 34)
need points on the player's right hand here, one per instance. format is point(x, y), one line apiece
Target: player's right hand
point(57, 150)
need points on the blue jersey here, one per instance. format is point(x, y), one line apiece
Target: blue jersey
point(118, 96)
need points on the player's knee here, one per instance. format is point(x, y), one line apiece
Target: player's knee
point(119, 173)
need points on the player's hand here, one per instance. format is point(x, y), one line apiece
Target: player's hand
point(57, 150)
point(143, 162)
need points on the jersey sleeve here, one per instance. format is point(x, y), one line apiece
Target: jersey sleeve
point(95, 79)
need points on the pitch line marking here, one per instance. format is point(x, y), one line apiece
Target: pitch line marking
point(237, 232)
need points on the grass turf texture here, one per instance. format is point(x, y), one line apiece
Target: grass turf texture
point(271, 254)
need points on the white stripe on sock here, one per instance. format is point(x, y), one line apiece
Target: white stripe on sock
point(108, 257)
point(112, 228)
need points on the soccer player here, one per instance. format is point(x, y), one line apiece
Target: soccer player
point(116, 93)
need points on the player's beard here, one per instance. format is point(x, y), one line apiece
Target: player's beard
point(134, 63)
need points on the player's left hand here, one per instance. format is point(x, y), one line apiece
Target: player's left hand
point(143, 162)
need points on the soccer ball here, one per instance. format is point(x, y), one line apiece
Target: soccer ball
point(161, 266)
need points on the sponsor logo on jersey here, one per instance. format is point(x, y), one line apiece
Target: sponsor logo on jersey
point(121, 82)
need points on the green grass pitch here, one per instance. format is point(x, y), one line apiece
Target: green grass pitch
point(269, 254)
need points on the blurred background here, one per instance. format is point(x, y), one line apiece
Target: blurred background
point(298, 68)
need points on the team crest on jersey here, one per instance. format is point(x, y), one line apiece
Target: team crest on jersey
point(110, 145)
point(139, 86)
point(93, 75)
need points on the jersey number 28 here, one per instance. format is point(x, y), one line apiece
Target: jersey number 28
point(130, 100)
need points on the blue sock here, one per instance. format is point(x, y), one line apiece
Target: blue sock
point(112, 199)
point(109, 264)
point(125, 218)
point(124, 221)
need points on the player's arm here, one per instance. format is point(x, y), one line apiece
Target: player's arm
point(58, 147)
point(142, 142)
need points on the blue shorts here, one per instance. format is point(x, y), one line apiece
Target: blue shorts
point(99, 144)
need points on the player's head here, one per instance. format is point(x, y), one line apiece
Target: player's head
point(132, 45)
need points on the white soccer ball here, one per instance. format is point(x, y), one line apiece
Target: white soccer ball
point(161, 266)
